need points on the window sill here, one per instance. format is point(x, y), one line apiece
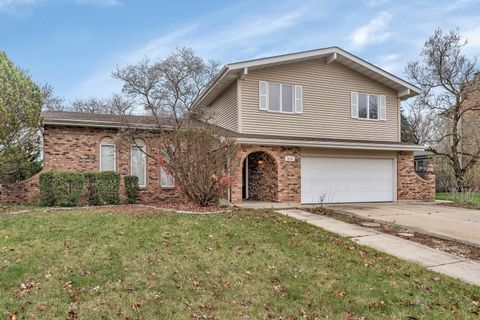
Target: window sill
point(367, 119)
point(167, 188)
point(282, 112)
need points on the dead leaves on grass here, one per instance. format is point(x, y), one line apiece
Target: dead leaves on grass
point(74, 298)
point(26, 288)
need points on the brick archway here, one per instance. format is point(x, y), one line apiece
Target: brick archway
point(260, 177)
point(287, 172)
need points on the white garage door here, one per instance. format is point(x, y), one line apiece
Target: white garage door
point(331, 180)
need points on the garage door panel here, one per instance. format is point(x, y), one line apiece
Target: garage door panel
point(347, 180)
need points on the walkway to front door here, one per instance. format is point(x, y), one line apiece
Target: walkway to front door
point(432, 259)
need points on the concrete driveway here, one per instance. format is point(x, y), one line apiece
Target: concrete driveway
point(446, 222)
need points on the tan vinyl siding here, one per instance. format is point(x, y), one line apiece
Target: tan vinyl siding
point(224, 110)
point(326, 103)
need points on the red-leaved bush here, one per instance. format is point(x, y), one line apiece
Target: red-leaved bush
point(201, 162)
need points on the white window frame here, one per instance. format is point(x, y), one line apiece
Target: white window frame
point(297, 102)
point(162, 171)
point(368, 106)
point(114, 155)
point(140, 145)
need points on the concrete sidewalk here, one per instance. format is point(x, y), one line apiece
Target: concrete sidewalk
point(467, 270)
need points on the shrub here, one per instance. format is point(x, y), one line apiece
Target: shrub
point(47, 198)
point(131, 188)
point(201, 163)
point(103, 188)
point(61, 188)
point(92, 195)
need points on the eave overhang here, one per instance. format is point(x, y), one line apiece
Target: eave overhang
point(330, 144)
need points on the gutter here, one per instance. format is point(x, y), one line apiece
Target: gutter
point(331, 145)
point(94, 123)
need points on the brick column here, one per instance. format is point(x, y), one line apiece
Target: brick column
point(411, 186)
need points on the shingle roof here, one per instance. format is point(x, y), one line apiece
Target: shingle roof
point(100, 120)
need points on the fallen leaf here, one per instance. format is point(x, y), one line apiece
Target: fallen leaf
point(340, 293)
point(136, 306)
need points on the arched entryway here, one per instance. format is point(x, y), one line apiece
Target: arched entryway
point(259, 177)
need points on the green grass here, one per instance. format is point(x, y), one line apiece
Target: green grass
point(470, 200)
point(245, 264)
point(458, 196)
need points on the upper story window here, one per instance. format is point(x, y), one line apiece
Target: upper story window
point(368, 106)
point(279, 97)
point(139, 162)
point(107, 154)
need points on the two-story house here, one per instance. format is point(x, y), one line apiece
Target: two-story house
point(319, 126)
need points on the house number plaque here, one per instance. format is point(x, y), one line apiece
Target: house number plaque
point(290, 158)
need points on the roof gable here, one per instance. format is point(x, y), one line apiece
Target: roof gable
point(232, 71)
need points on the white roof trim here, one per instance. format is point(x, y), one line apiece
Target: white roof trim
point(331, 144)
point(333, 51)
point(331, 54)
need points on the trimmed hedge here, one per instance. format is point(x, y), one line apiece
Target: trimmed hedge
point(46, 189)
point(103, 188)
point(61, 189)
point(131, 188)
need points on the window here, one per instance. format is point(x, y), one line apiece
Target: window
point(368, 106)
point(274, 102)
point(107, 154)
point(420, 165)
point(139, 163)
point(372, 107)
point(166, 180)
point(278, 97)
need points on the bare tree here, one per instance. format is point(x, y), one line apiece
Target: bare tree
point(418, 124)
point(167, 88)
point(200, 157)
point(114, 105)
point(51, 102)
point(445, 76)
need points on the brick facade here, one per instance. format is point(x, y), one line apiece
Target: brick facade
point(22, 192)
point(77, 149)
point(411, 186)
point(287, 178)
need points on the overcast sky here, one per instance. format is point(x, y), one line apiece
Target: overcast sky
point(74, 44)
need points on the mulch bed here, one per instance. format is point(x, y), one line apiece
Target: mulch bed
point(128, 208)
point(452, 247)
point(7, 210)
point(177, 207)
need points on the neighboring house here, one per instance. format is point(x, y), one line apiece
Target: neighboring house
point(314, 126)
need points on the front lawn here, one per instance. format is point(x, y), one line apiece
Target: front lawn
point(459, 196)
point(469, 200)
point(95, 264)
